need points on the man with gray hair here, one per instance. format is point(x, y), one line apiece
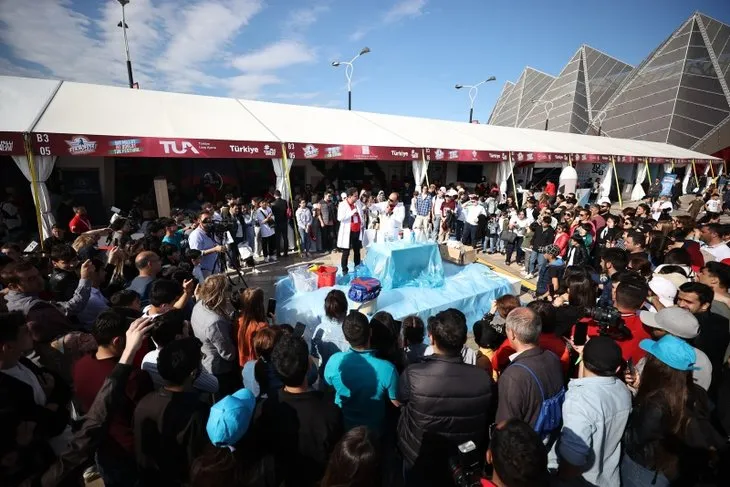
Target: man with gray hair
point(533, 376)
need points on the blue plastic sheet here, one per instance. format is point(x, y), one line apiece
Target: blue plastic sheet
point(401, 264)
point(471, 289)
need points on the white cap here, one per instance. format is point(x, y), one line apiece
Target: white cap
point(603, 200)
point(452, 192)
point(442, 189)
point(665, 290)
point(343, 195)
point(675, 321)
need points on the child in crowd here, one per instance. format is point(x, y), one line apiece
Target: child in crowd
point(492, 236)
point(488, 340)
point(304, 224)
point(502, 223)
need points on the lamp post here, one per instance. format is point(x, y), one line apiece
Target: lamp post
point(473, 92)
point(124, 26)
point(600, 118)
point(547, 105)
point(348, 73)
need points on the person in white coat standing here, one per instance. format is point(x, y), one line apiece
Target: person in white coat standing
point(392, 214)
point(352, 228)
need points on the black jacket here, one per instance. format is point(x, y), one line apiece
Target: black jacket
point(62, 284)
point(445, 403)
point(278, 208)
point(713, 339)
point(543, 237)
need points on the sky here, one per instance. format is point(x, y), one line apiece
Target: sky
point(282, 50)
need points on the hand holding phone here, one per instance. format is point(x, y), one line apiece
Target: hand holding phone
point(271, 308)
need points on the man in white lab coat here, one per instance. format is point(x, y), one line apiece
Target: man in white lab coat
point(391, 214)
point(352, 228)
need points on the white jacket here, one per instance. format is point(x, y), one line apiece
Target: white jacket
point(344, 216)
point(391, 224)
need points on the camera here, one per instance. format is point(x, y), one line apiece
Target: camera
point(609, 322)
point(219, 228)
point(465, 466)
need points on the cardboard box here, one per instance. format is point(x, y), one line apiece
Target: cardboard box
point(464, 255)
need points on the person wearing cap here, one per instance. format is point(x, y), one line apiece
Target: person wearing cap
point(169, 424)
point(662, 293)
point(548, 279)
point(472, 210)
point(595, 412)
point(717, 276)
point(232, 454)
point(677, 322)
point(669, 427)
point(714, 332)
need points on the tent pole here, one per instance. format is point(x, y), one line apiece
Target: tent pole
point(570, 160)
point(425, 169)
point(694, 170)
point(34, 183)
point(514, 183)
point(615, 177)
point(291, 198)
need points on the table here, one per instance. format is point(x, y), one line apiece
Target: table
point(401, 264)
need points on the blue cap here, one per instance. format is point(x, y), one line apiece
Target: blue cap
point(673, 351)
point(230, 417)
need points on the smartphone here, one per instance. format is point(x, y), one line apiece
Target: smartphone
point(580, 333)
point(271, 309)
point(630, 366)
point(299, 329)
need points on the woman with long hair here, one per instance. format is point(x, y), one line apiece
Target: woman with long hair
point(212, 325)
point(562, 235)
point(252, 318)
point(355, 461)
point(669, 433)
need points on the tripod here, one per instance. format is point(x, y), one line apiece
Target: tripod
point(222, 264)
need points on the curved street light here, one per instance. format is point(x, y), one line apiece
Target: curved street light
point(348, 73)
point(473, 92)
point(124, 26)
point(548, 106)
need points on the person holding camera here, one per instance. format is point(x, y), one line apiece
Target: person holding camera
point(202, 239)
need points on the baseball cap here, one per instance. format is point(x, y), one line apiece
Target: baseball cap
point(602, 354)
point(551, 249)
point(452, 192)
point(665, 290)
point(675, 321)
point(442, 189)
point(673, 351)
point(604, 200)
point(230, 417)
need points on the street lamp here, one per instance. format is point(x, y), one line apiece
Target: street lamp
point(473, 92)
point(124, 26)
point(348, 73)
point(548, 106)
point(600, 118)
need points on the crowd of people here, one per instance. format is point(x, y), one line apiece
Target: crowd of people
point(127, 353)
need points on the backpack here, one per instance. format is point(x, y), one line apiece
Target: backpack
point(551, 409)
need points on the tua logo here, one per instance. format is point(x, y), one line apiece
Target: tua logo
point(171, 146)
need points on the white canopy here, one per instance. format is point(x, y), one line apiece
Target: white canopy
point(316, 125)
point(80, 108)
point(22, 100)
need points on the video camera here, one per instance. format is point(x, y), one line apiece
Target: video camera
point(609, 322)
point(219, 228)
point(465, 466)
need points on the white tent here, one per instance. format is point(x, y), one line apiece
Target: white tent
point(22, 101)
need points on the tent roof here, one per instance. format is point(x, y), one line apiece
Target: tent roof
point(316, 125)
point(22, 100)
point(80, 108)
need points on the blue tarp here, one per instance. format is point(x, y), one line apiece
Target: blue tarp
point(405, 264)
point(471, 289)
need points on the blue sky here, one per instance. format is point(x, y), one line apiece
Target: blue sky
point(281, 50)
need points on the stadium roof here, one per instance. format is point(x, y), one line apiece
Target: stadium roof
point(517, 102)
point(679, 94)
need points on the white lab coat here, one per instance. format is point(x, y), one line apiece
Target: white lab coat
point(344, 216)
point(390, 225)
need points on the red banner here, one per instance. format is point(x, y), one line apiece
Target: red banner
point(458, 155)
point(351, 152)
point(592, 158)
point(11, 144)
point(114, 146)
point(527, 157)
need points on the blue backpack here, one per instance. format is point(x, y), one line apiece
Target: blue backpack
point(551, 409)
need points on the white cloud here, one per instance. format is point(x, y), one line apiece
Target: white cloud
point(303, 18)
point(174, 45)
point(275, 56)
point(403, 9)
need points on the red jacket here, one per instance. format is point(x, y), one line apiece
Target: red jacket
point(548, 341)
point(79, 224)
